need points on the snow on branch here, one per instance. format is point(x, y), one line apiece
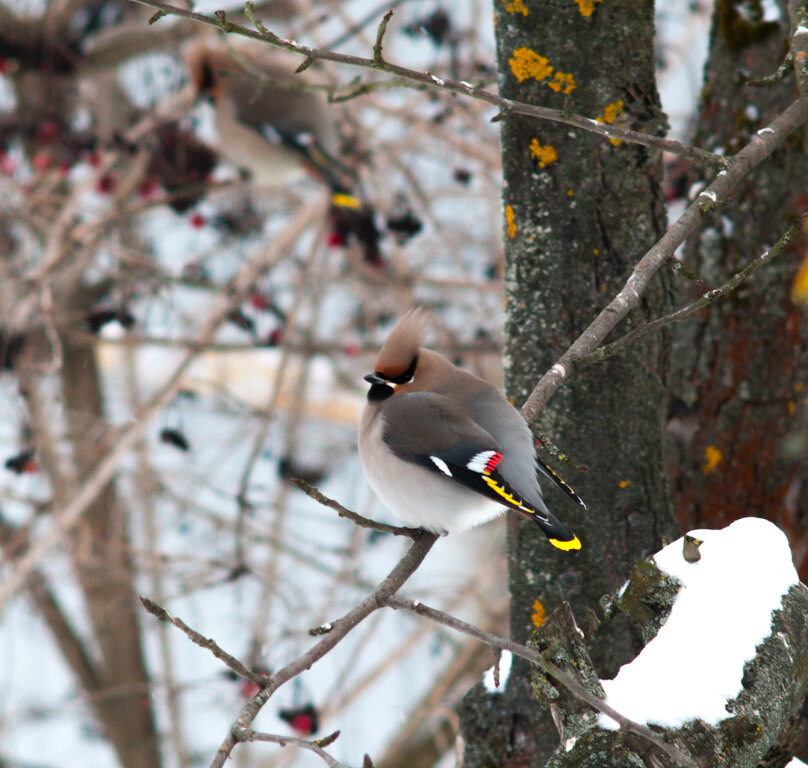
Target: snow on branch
point(723, 672)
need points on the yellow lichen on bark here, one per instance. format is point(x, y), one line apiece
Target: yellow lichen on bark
point(586, 7)
point(545, 154)
point(611, 113)
point(539, 613)
point(516, 6)
point(509, 220)
point(799, 288)
point(526, 63)
point(712, 458)
point(563, 82)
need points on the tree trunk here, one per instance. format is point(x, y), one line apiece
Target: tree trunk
point(579, 213)
point(740, 369)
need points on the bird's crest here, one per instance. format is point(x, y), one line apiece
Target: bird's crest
point(402, 345)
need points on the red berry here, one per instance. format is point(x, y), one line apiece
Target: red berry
point(259, 300)
point(6, 164)
point(148, 189)
point(351, 350)
point(106, 183)
point(302, 724)
point(41, 161)
point(249, 689)
point(334, 240)
point(47, 131)
point(197, 221)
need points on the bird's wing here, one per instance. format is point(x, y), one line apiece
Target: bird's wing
point(449, 442)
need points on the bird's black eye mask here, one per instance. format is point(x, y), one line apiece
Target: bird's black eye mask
point(407, 376)
point(380, 383)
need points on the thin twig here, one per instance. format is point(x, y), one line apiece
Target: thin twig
point(607, 350)
point(362, 522)
point(569, 682)
point(378, 54)
point(506, 106)
point(315, 746)
point(203, 642)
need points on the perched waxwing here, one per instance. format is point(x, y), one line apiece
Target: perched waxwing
point(444, 449)
point(268, 122)
point(272, 126)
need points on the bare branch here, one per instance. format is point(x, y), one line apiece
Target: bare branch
point(203, 642)
point(765, 141)
point(569, 682)
point(124, 439)
point(506, 106)
point(336, 631)
point(601, 353)
point(315, 746)
point(362, 522)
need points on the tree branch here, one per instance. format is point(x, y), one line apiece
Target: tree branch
point(765, 141)
point(314, 746)
point(601, 353)
point(569, 682)
point(334, 633)
point(506, 106)
point(362, 522)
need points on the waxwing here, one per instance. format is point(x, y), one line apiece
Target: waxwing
point(268, 123)
point(445, 450)
point(272, 126)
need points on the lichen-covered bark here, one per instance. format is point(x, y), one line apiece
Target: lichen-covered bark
point(579, 212)
point(740, 369)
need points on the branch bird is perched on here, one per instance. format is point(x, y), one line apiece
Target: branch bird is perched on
point(439, 445)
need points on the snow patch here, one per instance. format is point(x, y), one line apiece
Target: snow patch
point(505, 661)
point(724, 610)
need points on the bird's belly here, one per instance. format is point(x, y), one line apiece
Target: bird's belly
point(425, 499)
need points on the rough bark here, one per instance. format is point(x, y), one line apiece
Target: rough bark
point(739, 369)
point(579, 212)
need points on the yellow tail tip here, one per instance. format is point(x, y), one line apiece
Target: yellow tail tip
point(344, 200)
point(573, 543)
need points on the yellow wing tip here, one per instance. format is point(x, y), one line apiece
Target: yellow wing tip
point(573, 543)
point(344, 200)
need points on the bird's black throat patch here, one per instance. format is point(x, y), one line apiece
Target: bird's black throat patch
point(379, 392)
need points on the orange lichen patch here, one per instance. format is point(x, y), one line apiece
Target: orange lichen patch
point(516, 6)
point(563, 82)
point(545, 154)
point(624, 484)
point(712, 458)
point(586, 7)
point(611, 113)
point(799, 288)
point(539, 614)
point(526, 63)
point(510, 221)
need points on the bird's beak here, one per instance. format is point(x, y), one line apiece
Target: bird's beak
point(374, 378)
